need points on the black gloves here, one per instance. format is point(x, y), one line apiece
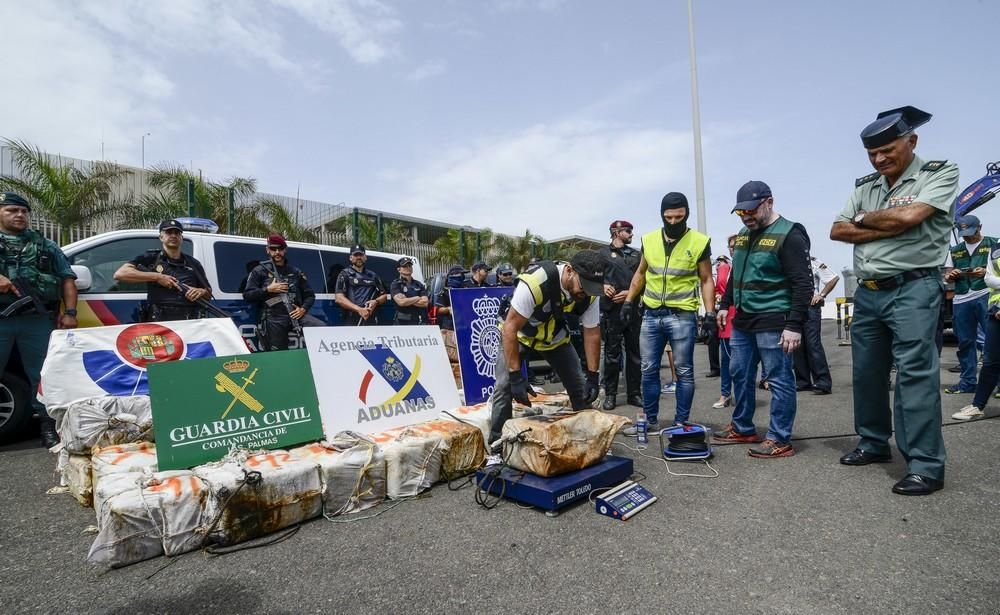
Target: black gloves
point(592, 387)
point(626, 314)
point(519, 388)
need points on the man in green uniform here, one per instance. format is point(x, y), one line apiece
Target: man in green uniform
point(34, 276)
point(898, 219)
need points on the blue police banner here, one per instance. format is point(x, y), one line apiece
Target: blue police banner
point(475, 313)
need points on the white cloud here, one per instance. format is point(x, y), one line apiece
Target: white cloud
point(361, 27)
point(427, 70)
point(563, 179)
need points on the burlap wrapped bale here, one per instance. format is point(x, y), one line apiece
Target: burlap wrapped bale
point(165, 514)
point(98, 422)
point(290, 491)
point(549, 445)
point(353, 471)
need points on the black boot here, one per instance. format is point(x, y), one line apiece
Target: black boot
point(47, 430)
point(609, 402)
point(635, 400)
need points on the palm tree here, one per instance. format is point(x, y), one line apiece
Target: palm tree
point(63, 194)
point(518, 251)
point(447, 247)
point(393, 232)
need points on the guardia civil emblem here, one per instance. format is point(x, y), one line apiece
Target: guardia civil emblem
point(486, 338)
point(392, 370)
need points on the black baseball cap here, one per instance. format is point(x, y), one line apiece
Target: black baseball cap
point(589, 265)
point(358, 249)
point(12, 198)
point(169, 224)
point(750, 195)
point(406, 261)
point(456, 270)
point(504, 269)
point(479, 266)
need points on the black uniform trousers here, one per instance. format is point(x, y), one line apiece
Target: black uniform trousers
point(616, 339)
point(811, 367)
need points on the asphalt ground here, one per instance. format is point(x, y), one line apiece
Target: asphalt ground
point(801, 535)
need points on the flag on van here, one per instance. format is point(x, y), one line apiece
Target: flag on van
point(98, 361)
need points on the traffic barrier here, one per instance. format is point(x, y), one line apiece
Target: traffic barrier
point(352, 468)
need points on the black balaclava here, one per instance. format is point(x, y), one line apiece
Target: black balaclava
point(675, 200)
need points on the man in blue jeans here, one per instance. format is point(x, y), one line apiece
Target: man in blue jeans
point(969, 260)
point(675, 261)
point(771, 286)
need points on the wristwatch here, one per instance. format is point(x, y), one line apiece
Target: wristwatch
point(70, 311)
point(859, 219)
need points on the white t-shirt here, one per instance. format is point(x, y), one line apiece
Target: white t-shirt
point(523, 302)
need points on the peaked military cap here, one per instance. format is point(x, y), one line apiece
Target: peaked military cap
point(893, 124)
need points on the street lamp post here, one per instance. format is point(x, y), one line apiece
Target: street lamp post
point(699, 178)
point(142, 177)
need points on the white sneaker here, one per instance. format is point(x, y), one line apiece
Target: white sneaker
point(723, 402)
point(669, 388)
point(968, 413)
point(628, 430)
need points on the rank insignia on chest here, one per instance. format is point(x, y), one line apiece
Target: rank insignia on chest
point(354, 280)
point(159, 269)
point(896, 201)
point(613, 255)
point(406, 289)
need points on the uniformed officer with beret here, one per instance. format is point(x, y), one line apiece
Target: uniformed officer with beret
point(359, 291)
point(282, 295)
point(34, 276)
point(898, 219)
point(175, 281)
point(409, 295)
point(621, 262)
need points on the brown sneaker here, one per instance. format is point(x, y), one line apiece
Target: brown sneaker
point(770, 448)
point(729, 434)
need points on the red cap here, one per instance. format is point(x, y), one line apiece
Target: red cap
point(276, 240)
point(618, 225)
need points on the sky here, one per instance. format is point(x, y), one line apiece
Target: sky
point(558, 116)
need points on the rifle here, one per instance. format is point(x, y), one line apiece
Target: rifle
point(202, 303)
point(28, 296)
point(286, 300)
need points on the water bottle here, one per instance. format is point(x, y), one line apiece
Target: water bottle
point(640, 428)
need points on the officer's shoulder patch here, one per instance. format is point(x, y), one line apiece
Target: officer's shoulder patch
point(933, 165)
point(861, 181)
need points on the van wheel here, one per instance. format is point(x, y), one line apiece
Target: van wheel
point(15, 407)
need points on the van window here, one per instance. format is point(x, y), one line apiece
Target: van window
point(335, 262)
point(308, 260)
point(104, 259)
point(235, 261)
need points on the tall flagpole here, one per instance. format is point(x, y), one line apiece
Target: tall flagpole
point(699, 178)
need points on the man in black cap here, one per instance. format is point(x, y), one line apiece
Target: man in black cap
point(770, 286)
point(676, 262)
point(34, 276)
point(359, 291)
point(480, 271)
point(505, 275)
point(544, 294)
point(621, 262)
point(409, 295)
point(898, 219)
point(175, 281)
point(282, 295)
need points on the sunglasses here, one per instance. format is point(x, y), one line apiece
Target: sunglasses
point(744, 212)
point(357, 253)
point(276, 249)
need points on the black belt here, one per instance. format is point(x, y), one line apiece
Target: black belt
point(897, 280)
point(669, 310)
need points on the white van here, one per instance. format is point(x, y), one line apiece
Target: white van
point(227, 260)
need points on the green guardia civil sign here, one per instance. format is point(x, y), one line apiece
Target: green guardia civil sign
point(204, 407)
